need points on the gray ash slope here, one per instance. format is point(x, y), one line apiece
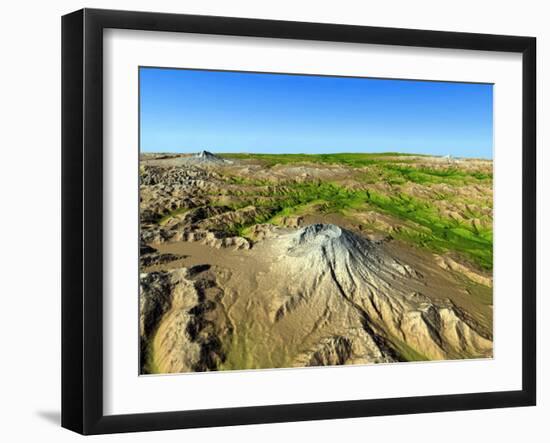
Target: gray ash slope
point(324, 262)
point(326, 297)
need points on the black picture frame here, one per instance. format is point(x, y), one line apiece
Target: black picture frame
point(82, 232)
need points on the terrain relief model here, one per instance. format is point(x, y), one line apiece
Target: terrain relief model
point(255, 261)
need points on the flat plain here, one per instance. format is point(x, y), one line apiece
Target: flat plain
point(254, 261)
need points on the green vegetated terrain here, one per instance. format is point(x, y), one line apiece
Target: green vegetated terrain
point(433, 215)
point(253, 261)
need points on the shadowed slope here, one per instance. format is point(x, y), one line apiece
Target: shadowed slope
point(319, 295)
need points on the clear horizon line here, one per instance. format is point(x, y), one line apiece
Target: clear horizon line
point(318, 153)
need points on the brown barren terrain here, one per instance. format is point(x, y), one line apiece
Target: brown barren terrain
point(269, 261)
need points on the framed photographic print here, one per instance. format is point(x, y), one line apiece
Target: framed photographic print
point(269, 221)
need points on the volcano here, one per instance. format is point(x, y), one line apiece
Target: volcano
point(319, 295)
point(331, 269)
point(206, 157)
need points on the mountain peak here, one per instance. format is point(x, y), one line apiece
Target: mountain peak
point(204, 154)
point(206, 157)
point(327, 241)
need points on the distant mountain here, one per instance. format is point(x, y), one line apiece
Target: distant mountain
point(206, 157)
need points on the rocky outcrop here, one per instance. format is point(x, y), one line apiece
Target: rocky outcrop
point(176, 333)
point(331, 351)
point(449, 263)
point(149, 256)
point(216, 239)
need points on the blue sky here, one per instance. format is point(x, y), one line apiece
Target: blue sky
point(191, 110)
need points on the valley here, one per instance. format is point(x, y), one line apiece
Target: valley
point(256, 261)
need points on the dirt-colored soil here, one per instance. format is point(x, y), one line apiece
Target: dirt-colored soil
point(234, 278)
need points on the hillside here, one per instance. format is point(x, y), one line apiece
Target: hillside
point(262, 261)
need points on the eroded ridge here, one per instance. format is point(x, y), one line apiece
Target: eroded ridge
point(329, 297)
point(254, 262)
